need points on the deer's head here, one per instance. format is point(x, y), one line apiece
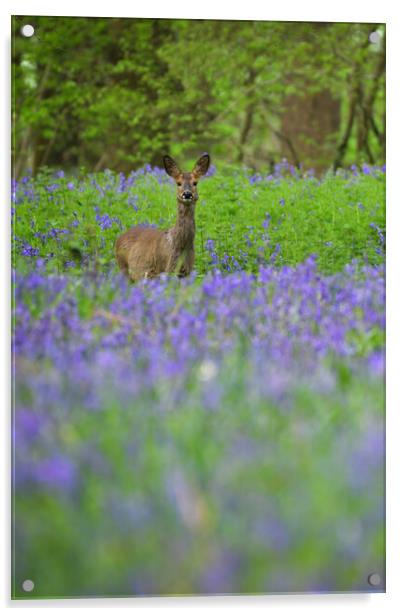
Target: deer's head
point(187, 182)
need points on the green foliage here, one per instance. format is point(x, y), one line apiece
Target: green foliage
point(338, 218)
point(118, 92)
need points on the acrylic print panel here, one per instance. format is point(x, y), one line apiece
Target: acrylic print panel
point(202, 412)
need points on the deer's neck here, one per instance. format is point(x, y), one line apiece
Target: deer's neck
point(184, 230)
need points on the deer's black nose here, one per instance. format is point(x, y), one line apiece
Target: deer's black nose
point(187, 194)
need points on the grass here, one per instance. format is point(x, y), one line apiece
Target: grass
point(247, 221)
point(217, 434)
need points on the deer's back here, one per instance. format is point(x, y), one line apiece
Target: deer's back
point(142, 251)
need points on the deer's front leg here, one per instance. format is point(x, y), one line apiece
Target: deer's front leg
point(172, 263)
point(187, 264)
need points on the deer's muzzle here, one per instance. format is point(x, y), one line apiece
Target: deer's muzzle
point(187, 195)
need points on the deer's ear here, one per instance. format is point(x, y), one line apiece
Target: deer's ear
point(171, 167)
point(202, 165)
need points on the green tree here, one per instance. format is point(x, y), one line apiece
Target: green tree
point(119, 93)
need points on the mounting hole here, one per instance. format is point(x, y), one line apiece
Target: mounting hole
point(374, 37)
point(27, 30)
point(374, 579)
point(28, 585)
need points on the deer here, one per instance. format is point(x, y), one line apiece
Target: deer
point(146, 252)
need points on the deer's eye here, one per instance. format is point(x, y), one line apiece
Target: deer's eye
point(178, 183)
point(194, 183)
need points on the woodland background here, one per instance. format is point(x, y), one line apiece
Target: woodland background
point(98, 93)
point(230, 423)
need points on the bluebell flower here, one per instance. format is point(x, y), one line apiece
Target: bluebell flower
point(29, 251)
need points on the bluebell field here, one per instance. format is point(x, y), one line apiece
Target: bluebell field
point(222, 433)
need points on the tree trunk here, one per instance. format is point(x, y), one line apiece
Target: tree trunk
point(310, 123)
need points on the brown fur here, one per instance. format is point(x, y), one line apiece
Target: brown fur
point(146, 252)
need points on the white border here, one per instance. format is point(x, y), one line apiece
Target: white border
point(293, 10)
point(308, 10)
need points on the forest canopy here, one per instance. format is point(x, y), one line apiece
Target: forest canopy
point(115, 93)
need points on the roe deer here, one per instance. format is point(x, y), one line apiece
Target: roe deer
point(145, 252)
